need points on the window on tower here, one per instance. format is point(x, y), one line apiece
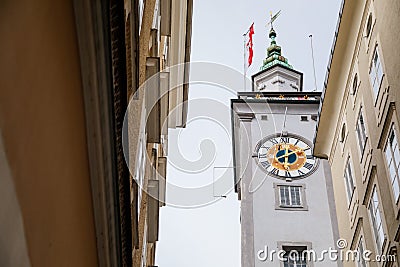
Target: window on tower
point(295, 256)
point(290, 196)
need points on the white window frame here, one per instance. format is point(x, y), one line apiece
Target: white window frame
point(280, 204)
point(376, 73)
point(392, 160)
point(349, 180)
point(361, 131)
point(376, 217)
point(292, 196)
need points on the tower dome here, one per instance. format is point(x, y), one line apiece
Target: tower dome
point(274, 54)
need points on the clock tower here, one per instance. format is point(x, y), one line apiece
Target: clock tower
point(287, 206)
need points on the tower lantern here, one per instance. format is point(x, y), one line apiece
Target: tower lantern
point(276, 74)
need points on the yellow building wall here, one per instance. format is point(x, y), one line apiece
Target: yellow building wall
point(353, 54)
point(43, 126)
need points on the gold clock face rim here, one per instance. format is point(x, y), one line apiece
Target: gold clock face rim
point(298, 171)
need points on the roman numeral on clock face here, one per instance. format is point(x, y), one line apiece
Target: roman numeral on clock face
point(274, 141)
point(285, 140)
point(300, 172)
point(310, 157)
point(308, 166)
point(274, 171)
point(265, 164)
point(297, 141)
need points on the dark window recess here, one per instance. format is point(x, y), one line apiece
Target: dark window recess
point(264, 117)
point(369, 26)
point(303, 118)
point(295, 256)
point(355, 84)
point(343, 133)
point(314, 117)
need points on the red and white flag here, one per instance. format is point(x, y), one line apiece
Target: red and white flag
point(249, 45)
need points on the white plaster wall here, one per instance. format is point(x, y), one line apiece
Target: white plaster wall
point(315, 226)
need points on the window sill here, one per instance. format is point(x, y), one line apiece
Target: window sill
point(292, 208)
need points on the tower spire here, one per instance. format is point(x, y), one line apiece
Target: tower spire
point(274, 51)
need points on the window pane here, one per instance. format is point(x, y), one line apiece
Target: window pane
point(376, 219)
point(361, 262)
point(379, 72)
point(372, 75)
point(295, 194)
point(347, 186)
point(376, 88)
point(362, 125)
point(349, 180)
point(359, 137)
point(392, 137)
point(396, 155)
point(376, 73)
point(350, 176)
point(284, 194)
point(381, 235)
point(361, 132)
point(392, 171)
point(372, 78)
point(375, 58)
point(388, 154)
point(396, 188)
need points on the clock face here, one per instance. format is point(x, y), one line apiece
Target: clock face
point(286, 157)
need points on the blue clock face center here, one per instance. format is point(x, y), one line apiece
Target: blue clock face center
point(292, 158)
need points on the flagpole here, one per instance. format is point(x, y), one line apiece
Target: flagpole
point(244, 61)
point(250, 31)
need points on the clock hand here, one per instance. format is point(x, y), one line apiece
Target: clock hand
point(283, 127)
point(288, 154)
point(286, 158)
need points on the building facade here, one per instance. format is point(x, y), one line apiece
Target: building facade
point(69, 70)
point(358, 128)
point(287, 206)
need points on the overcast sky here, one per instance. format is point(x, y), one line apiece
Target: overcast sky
point(210, 236)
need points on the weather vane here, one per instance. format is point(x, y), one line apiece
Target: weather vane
point(273, 18)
